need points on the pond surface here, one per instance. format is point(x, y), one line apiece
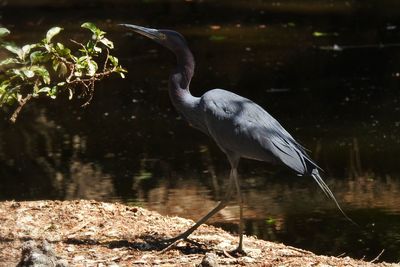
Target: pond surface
point(328, 72)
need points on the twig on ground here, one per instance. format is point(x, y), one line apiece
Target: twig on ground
point(377, 257)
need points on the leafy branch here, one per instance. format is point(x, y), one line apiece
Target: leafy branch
point(48, 68)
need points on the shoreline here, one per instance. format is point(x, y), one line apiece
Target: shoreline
point(92, 233)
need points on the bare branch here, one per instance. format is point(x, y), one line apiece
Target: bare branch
point(22, 102)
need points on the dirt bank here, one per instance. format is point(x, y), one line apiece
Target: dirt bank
point(91, 233)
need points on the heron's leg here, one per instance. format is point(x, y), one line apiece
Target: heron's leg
point(240, 201)
point(219, 207)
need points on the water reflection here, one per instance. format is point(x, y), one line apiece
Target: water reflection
point(129, 145)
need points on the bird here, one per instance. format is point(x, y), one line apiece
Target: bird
point(240, 127)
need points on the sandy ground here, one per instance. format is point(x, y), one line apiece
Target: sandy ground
point(91, 233)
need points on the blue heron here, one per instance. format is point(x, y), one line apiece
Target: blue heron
point(240, 127)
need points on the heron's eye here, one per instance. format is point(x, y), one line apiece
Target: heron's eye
point(163, 36)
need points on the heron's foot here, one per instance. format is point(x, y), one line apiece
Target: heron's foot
point(238, 252)
point(169, 243)
point(174, 240)
point(165, 243)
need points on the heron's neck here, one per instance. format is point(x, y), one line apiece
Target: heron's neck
point(180, 78)
point(179, 81)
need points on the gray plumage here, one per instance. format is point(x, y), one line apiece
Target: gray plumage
point(240, 127)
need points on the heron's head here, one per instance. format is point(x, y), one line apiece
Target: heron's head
point(170, 39)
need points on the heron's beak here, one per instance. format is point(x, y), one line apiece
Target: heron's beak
point(148, 32)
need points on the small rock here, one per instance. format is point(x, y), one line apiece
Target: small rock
point(15, 205)
point(247, 259)
point(225, 245)
point(78, 258)
point(39, 255)
point(209, 260)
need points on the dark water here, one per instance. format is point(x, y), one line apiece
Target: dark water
point(131, 146)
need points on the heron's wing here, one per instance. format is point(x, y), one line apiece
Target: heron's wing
point(239, 125)
point(290, 151)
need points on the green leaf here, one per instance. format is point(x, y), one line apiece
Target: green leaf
point(121, 71)
point(10, 94)
point(53, 92)
point(46, 78)
point(91, 67)
point(81, 60)
point(78, 73)
point(90, 26)
point(52, 32)
point(55, 65)
point(28, 73)
point(14, 49)
point(9, 61)
point(63, 70)
point(39, 57)
point(4, 91)
point(107, 43)
point(44, 90)
point(74, 58)
point(4, 32)
point(60, 46)
point(113, 60)
point(42, 72)
point(89, 49)
point(60, 68)
point(99, 34)
point(17, 73)
point(97, 49)
point(62, 50)
point(49, 47)
point(27, 48)
point(71, 94)
point(4, 84)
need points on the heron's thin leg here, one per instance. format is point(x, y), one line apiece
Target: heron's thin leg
point(240, 201)
point(219, 207)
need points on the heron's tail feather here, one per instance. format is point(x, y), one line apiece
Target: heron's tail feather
point(328, 192)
